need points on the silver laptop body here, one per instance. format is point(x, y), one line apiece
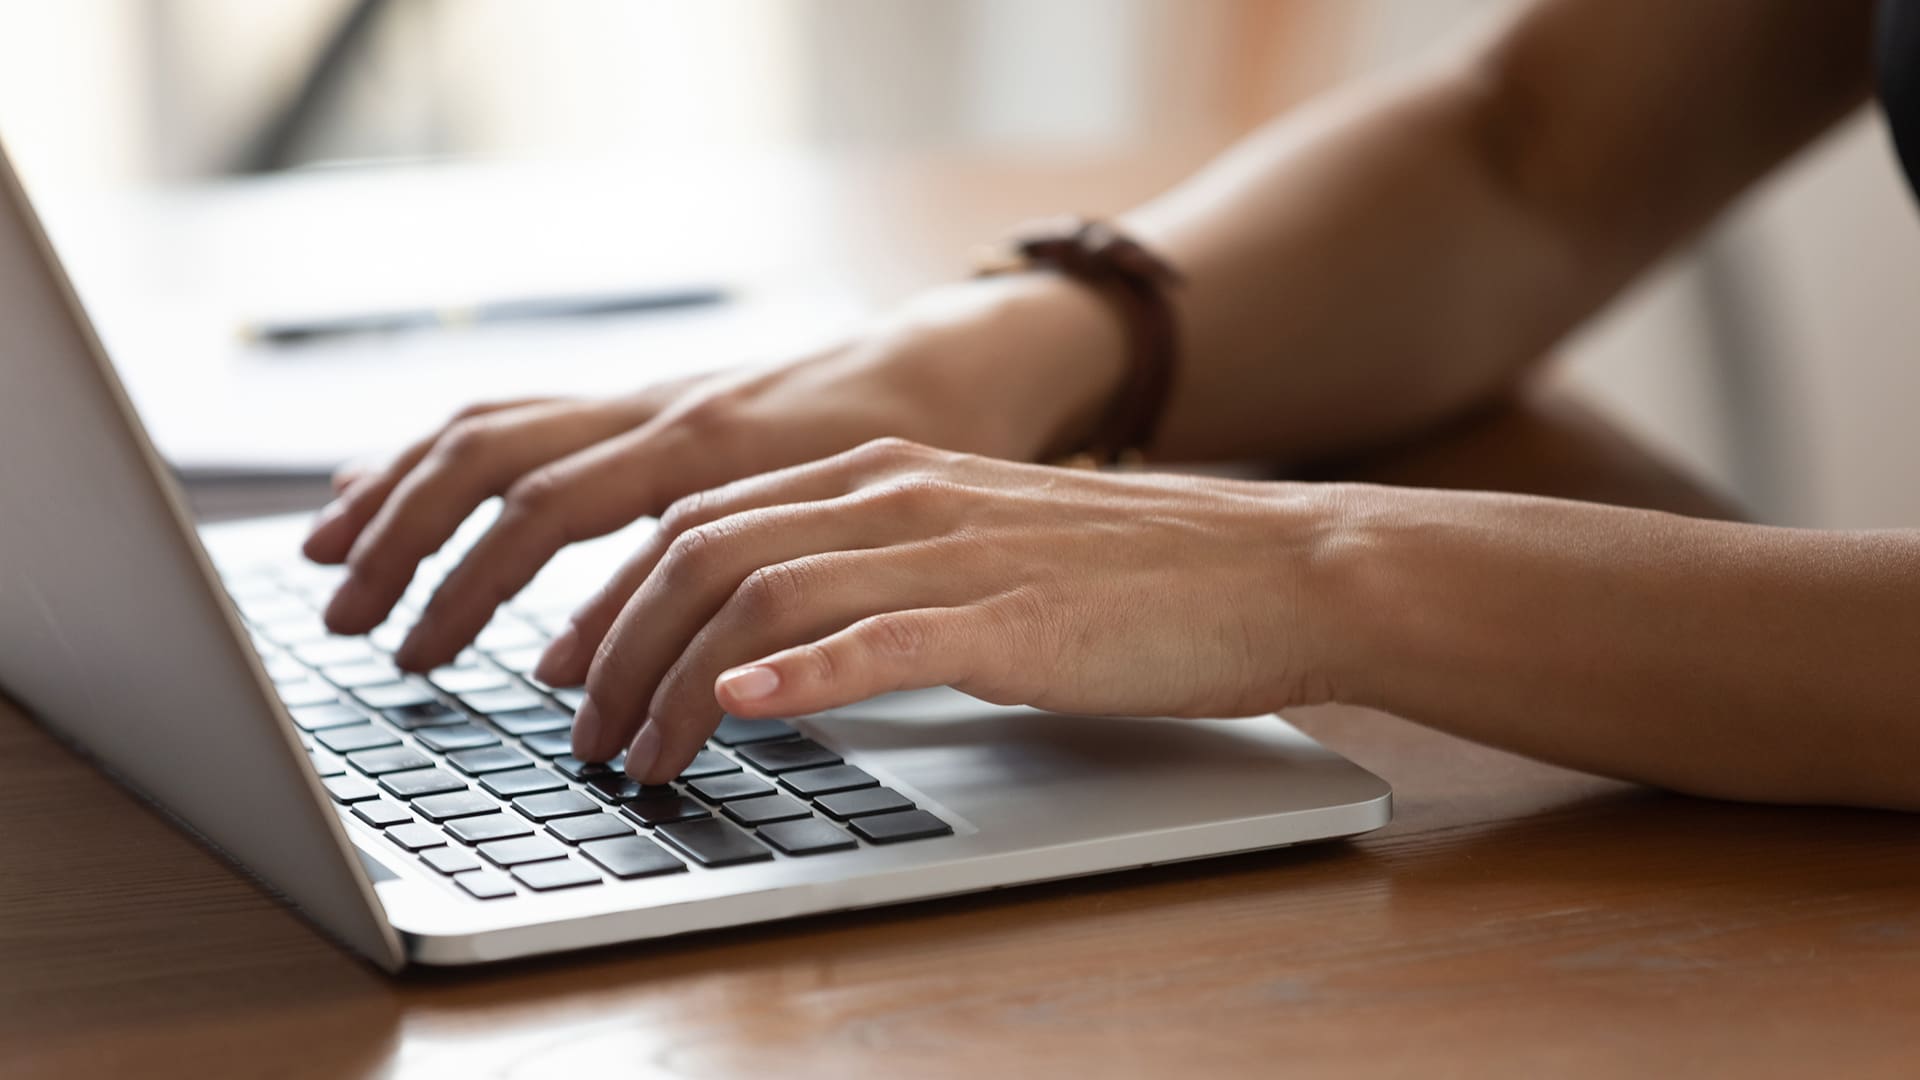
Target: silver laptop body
point(117, 634)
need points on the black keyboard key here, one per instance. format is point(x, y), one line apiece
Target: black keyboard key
point(479, 830)
point(450, 860)
point(713, 842)
point(585, 770)
point(813, 783)
point(734, 731)
point(509, 785)
point(662, 809)
point(809, 837)
point(555, 804)
point(766, 809)
point(345, 740)
point(905, 825)
point(788, 755)
point(719, 789)
point(549, 743)
point(422, 782)
point(381, 813)
point(578, 830)
point(619, 788)
point(709, 763)
point(556, 874)
point(521, 849)
point(389, 759)
point(485, 884)
point(873, 800)
point(322, 717)
point(511, 699)
point(532, 721)
point(632, 857)
point(416, 836)
point(488, 759)
point(349, 789)
point(456, 737)
point(399, 695)
point(457, 804)
point(426, 714)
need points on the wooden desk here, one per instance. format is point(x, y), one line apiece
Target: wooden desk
point(1514, 919)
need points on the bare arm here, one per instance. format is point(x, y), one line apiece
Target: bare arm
point(1720, 659)
point(1401, 250)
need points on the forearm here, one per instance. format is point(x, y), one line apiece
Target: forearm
point(1351, 275)
point(1400, 250)
point(1719, 659)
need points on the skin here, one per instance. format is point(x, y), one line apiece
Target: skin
point(1377, 272)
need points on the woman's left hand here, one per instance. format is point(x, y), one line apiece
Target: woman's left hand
point(894, 566)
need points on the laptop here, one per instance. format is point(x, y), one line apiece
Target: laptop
point(439, 820)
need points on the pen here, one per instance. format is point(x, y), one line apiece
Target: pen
point(304, 331)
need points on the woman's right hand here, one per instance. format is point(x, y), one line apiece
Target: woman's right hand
point(1015, 367)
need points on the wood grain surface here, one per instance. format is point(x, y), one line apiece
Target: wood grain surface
point(1515, 919)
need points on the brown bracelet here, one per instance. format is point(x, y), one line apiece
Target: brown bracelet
point(1135, 280)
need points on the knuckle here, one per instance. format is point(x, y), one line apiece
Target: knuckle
point(689, 553)
point(606, 674)
point(466, 441)
point(710, 417)
point(917, 493)
point(536, 494)
point(819, 662)
point(684, 513)
point(771, 592)
point(888, 450)
point(893, 636)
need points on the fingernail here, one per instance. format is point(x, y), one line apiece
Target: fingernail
point(559, 656)
point(586, 731)
point(750, 683)
point(645, 749)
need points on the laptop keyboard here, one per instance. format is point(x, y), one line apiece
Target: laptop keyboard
point(469, 771)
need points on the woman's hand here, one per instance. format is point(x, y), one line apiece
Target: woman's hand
point(1013, 367)
point(895, 566)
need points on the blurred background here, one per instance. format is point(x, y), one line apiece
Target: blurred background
point(211, 166)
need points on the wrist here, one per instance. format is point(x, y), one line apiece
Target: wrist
point(1028, 362)
point(1354, 592)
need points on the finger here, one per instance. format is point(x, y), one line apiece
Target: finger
point(473, 461)
point(359, 496)
point(339, 522)
point(710, 566)
point(587, 494)
point(567, 658)
point(350, 474)
point(880, 654)
point(776, 608)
